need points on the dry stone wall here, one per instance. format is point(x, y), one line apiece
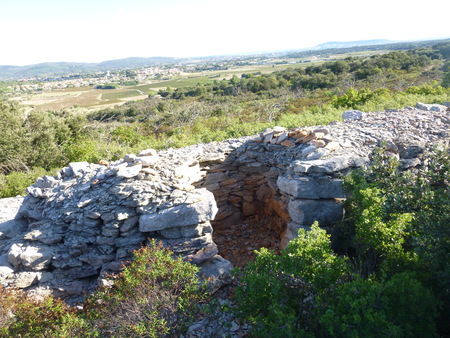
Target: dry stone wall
point(74, 228)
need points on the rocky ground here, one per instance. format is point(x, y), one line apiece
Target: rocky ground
point(239, 242)
point(9, 208)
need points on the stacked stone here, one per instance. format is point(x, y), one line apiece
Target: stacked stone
point(243, 185)
point(90, 217)
point(289, 138)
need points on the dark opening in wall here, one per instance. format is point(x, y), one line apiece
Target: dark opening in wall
point(252, 213)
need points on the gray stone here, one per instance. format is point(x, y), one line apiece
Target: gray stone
point(318, 153)
point(77, 169)
point(408, 149)
point(148, 152)
point(11, 228)
point(329, 166)
point(14, 255)
point(216, 267)
point(188, 246)
point(129, 223)
point(203, 254)
point(352, 115)
point(431, 107)
point(129, 158)
point(306, 212)
point(25, 279)
point(147, 161)
point(36, 258)
point(6, 269)
point(215, 178)
point(308, 150)
point(128, 241)
point(312, 188)
point(181, 215)
point(129, 172)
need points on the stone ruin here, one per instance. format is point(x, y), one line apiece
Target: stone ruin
point(74, 228)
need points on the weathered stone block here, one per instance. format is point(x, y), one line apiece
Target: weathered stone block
point(147, 161)
point(188, 246)
point(408, 149)
point(181, 215)
point(34, 258)
point(352, 115)
point(329, 166)
point(326, 212)
point(26, 278)
point(129, 172)
point(311, 188)
point(216, 267)
point(215, 178)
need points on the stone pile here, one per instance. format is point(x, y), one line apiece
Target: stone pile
point(293, 136)
point(73, 228)
point(82, 223)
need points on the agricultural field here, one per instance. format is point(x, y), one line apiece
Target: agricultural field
point(85, 99)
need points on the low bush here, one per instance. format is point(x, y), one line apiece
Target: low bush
point(16, 182)
point(276, 291)
point(155, 295)
point(23, 316)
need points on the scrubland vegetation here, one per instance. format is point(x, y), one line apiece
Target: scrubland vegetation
point(384, 271)
point(312, 95)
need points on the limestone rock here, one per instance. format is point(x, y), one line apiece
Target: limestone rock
point(310, 188)
point(432, 107)
point(352, 115)
point(216, 267)
point(329, 166)
point(180, 215)
point(148, 152)
point(306, 212)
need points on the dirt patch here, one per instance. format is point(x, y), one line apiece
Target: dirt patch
point(238, 242)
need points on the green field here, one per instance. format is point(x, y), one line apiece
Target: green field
point(120, 94)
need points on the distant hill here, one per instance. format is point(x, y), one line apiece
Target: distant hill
point(55, 69)
point(345, 44)
point(326, 51)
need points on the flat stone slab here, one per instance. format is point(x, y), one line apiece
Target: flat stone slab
point(310, 188)
point(329, 166)
point(306, 212)
point(181, 215)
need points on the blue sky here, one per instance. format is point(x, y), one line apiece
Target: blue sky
point(96, 30)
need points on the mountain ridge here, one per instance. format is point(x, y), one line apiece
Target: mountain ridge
point(49, 69)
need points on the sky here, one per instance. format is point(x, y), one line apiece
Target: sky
point(35, 31)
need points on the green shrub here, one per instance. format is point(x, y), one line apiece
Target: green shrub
point(15, 183)
point(276, 290)
point(23, 316)
point(400, 222)
point(399, 307)
point(155, 295)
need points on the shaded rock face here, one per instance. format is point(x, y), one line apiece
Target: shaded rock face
point(74, 228)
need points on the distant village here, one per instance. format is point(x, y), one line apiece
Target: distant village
point(142, 75)
point(131, 77)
